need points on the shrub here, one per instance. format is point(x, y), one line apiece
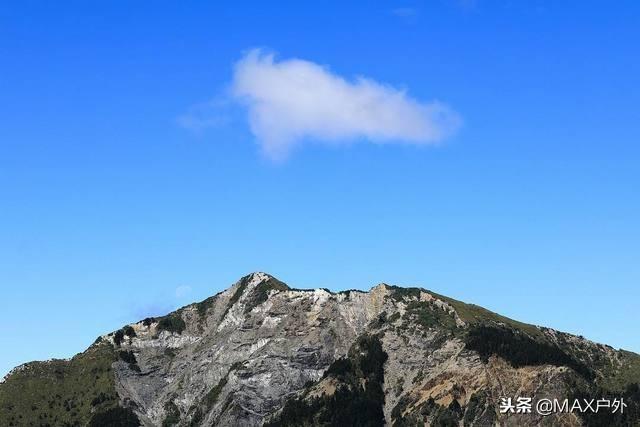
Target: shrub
point(129, 357)
point(520, 349)
point(242, 285)
point(261, 292)
point(395, 316)
point(212, 396)
point(358, 401)
point(203, 306)
point(339, 368)
point(172, 323)
point(628, 417)
point(101, 398)
point(115, 417)
point(118, 337)
point(400, 294)
point(172, 417)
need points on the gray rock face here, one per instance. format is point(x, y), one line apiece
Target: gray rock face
point(244, 352)
point(263, 353)
point(257, 352)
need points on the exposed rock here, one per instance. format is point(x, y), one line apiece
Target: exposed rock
point(261, 352)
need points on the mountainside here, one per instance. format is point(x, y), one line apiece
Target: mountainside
point(262, 353)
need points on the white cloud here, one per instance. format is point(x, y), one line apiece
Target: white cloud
point(290, 101)
point(182, 291)
point(405, 12)
point(203, 116)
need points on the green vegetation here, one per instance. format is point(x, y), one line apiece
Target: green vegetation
point(480, 404)
point(530, 337)
point(101, 398)
point(379, 321)
point(212, 395)
point(629, 417)
point(617, 378)
point(440, 416)
point(419, 377)
point(259, 295)
point(520, 349)
point(196, 418)
point(469, 313)
point(429, 315)
point(118, 337)
point(400, 294)
point(475, 315)
point(128, 331)
point(130, 358)
point(395, 316)
point(81, 391)
point(348, 293)
point(261, 292)
point(235, 366)
point(115, 417)
point(357, 401)
point(242, 285)
point(199, 410)
point(172, 323)
point(425, 314)
point(203, 306)
point(399, 387)
point(172, 417)
point(60, 392)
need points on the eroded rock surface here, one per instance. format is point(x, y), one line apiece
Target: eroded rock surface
point(262, 353)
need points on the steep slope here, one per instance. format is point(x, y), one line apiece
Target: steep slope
point(263, 353)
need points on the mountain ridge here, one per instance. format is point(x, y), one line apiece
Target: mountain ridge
point(265, 353)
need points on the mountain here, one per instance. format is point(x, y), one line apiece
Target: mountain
point(262, 353)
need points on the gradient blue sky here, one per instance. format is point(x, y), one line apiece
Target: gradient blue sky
point(111, 211)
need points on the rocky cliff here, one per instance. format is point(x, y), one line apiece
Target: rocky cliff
point(262, 353)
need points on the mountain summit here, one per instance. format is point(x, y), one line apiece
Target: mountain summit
point(262, 353)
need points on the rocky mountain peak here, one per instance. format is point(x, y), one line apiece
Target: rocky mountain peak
point(263, 353)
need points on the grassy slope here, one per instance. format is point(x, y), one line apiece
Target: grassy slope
point(615, 377)
point(63, 392)
point(60, 392)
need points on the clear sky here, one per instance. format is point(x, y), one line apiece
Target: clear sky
point(140, 171)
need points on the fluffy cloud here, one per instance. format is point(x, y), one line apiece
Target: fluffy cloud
point(290, 101)
point(183, 291)
point(405, 12)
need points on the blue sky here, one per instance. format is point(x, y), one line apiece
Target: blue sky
point(111, 209)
